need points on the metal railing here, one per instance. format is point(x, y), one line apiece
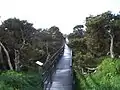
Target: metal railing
point(49, 68)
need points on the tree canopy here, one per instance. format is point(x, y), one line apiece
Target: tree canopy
point(22, 44)
point(101, 37)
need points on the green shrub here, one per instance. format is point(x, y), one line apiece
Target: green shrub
point(107, 76)
point(11, 80)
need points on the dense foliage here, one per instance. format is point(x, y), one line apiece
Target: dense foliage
point(11, 80)
point(21, 45)
point(100, 38)
point(106, 77)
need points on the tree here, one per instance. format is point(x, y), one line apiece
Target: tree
point(100, 37)
point(7, 55)
point(78, 30)
point(24, 45)
point(96, 34)
point(15, 34)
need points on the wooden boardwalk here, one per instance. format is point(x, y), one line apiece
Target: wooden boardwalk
point(62, 78)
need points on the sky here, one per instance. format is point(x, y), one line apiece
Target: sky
point(64, 14)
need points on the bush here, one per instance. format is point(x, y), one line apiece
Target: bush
point(107, 76)
point(11, 80)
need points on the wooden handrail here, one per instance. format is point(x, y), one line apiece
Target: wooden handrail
point(49, 66)
point(53, 56)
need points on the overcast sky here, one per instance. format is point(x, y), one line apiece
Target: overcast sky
point(62, 13)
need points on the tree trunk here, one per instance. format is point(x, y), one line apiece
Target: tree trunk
point(111, 46)
point(1, 59)
point(17, 61)
point(47, 47)
point(23, 43)
point(8, 57)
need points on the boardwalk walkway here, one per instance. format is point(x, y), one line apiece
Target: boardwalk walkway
point(62, 78)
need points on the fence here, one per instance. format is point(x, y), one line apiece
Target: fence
point(49, 67)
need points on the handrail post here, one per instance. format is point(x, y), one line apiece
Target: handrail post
point(42, 79)
point(50, 78)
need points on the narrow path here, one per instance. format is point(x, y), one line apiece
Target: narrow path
point(62, 78)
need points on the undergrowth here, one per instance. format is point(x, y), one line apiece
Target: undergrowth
point(11, 80)
point(107, 77)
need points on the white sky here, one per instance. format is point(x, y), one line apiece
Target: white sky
point(62, 13)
